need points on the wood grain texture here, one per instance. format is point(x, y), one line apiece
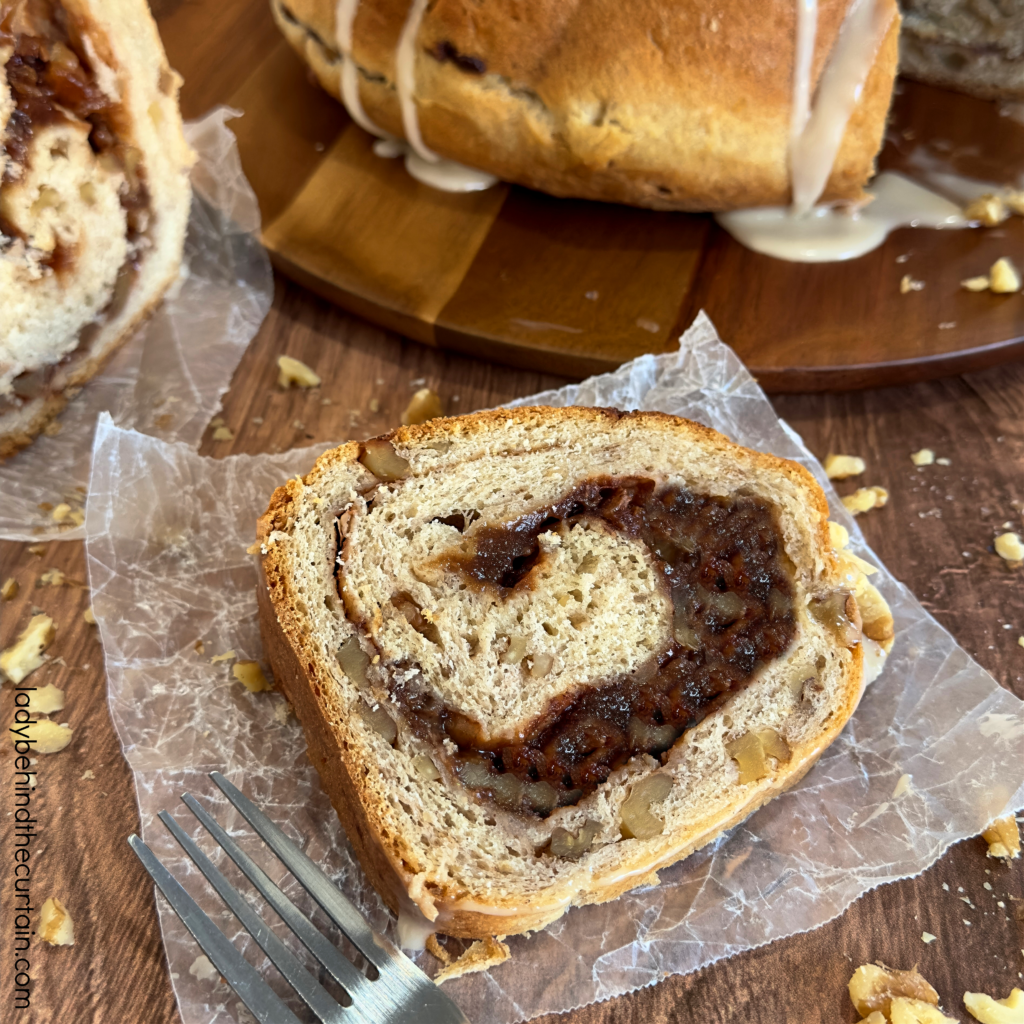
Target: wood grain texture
point(116, 972)
point(506, 274)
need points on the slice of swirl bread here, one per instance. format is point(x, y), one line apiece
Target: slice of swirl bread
point(94, 195)
point(539, 654)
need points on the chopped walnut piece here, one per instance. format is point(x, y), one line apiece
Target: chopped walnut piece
point(874, 987)
point(1009, 547)
point(1003, 838)
point(9, 591)
point(838, 534)
point(381, 459)
point(61, 512)
point(910, 284)
point(45, 736)
point(996, 1011)
point(251, 676)
point(976, 284)
point(864, 499)
point(988, 209)
point(226, 656)
point(223, 434)
point(52, 578)
point(293, 373)
point(45, 701)
point(924, 457)
point(839, 467)
point(917, 1011)
point(55, 924)
point(424, 405)
point(1004, 277)
point(637, 820)
point(89, 616)
point(26, 655)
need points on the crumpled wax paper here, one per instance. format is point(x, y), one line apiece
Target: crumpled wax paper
point(168, 379)
point(167, 533)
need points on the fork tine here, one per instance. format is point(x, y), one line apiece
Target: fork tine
point(315, 997)
point(316, 883)
point(257, 995)
point(419, 993)
point(342, 969)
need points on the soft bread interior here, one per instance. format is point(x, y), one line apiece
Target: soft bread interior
point(75, 280)
point(469, 866)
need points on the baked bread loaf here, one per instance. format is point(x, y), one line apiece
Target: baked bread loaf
point(539, 654)
point(94, 195)
point(689, 105)
point(972, 46)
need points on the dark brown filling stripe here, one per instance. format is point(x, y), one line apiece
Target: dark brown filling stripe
point(722, 562)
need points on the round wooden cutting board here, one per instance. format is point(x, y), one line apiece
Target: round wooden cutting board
point(577, 287)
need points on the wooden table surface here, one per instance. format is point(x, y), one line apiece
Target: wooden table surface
point(935, 534)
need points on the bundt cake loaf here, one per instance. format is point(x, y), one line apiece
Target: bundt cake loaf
point(94, 195)
point(689, 105)
point(540, 654)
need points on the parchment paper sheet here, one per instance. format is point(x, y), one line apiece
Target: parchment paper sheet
point(167, 533)
point(169, 378)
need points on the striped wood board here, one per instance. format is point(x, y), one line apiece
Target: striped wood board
point(576, 287)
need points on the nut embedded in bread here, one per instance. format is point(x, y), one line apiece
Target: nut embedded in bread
point(540, 654)
point(94, 195)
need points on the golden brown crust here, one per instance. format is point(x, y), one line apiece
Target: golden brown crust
point(389, 862)
point(675, 107)
point(53, 404)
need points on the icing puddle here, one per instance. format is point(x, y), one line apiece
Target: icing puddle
point(827, 234)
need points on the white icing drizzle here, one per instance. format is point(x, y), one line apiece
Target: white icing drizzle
point(827, 233)
point(405, 78)
point(813, 154)
point(448, 175)
point(413, 929)
point(344, 19)
point(803, 58)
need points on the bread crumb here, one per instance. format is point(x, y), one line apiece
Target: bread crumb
point(87, 774)
point(481, 956)
point(226, 656)
point(927, 938)
point(1020, 641)
point(37, 549)
point(424, 405)
point(199, 647)
point(55, 924)
point(1003, 838)
point(293, 373)
point(943, 462)
point(9, 590)
point(46, 700)
point(1004, 277)
point(996, 1011)
point(374, 405)
point(25, 656)
point(203, 969)
point(52, 578)
point(90, 616)
point(435, 949)
point(53, 428)
point(253, 548)
point(864, 499)
point(903, 785)
point(976, 284)
point(988, 209)
point(839, 467)
point(909, 284)
point(251, 676)
point(223, 434)
point(1009, 547)
point(281, 711)
point(924, 457)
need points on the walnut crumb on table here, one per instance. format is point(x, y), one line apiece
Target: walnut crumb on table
point(864, 499)
point(293, 373)
point(55, 924)
point(841, 467)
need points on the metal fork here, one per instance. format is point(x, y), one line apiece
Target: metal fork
point(400, 994)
